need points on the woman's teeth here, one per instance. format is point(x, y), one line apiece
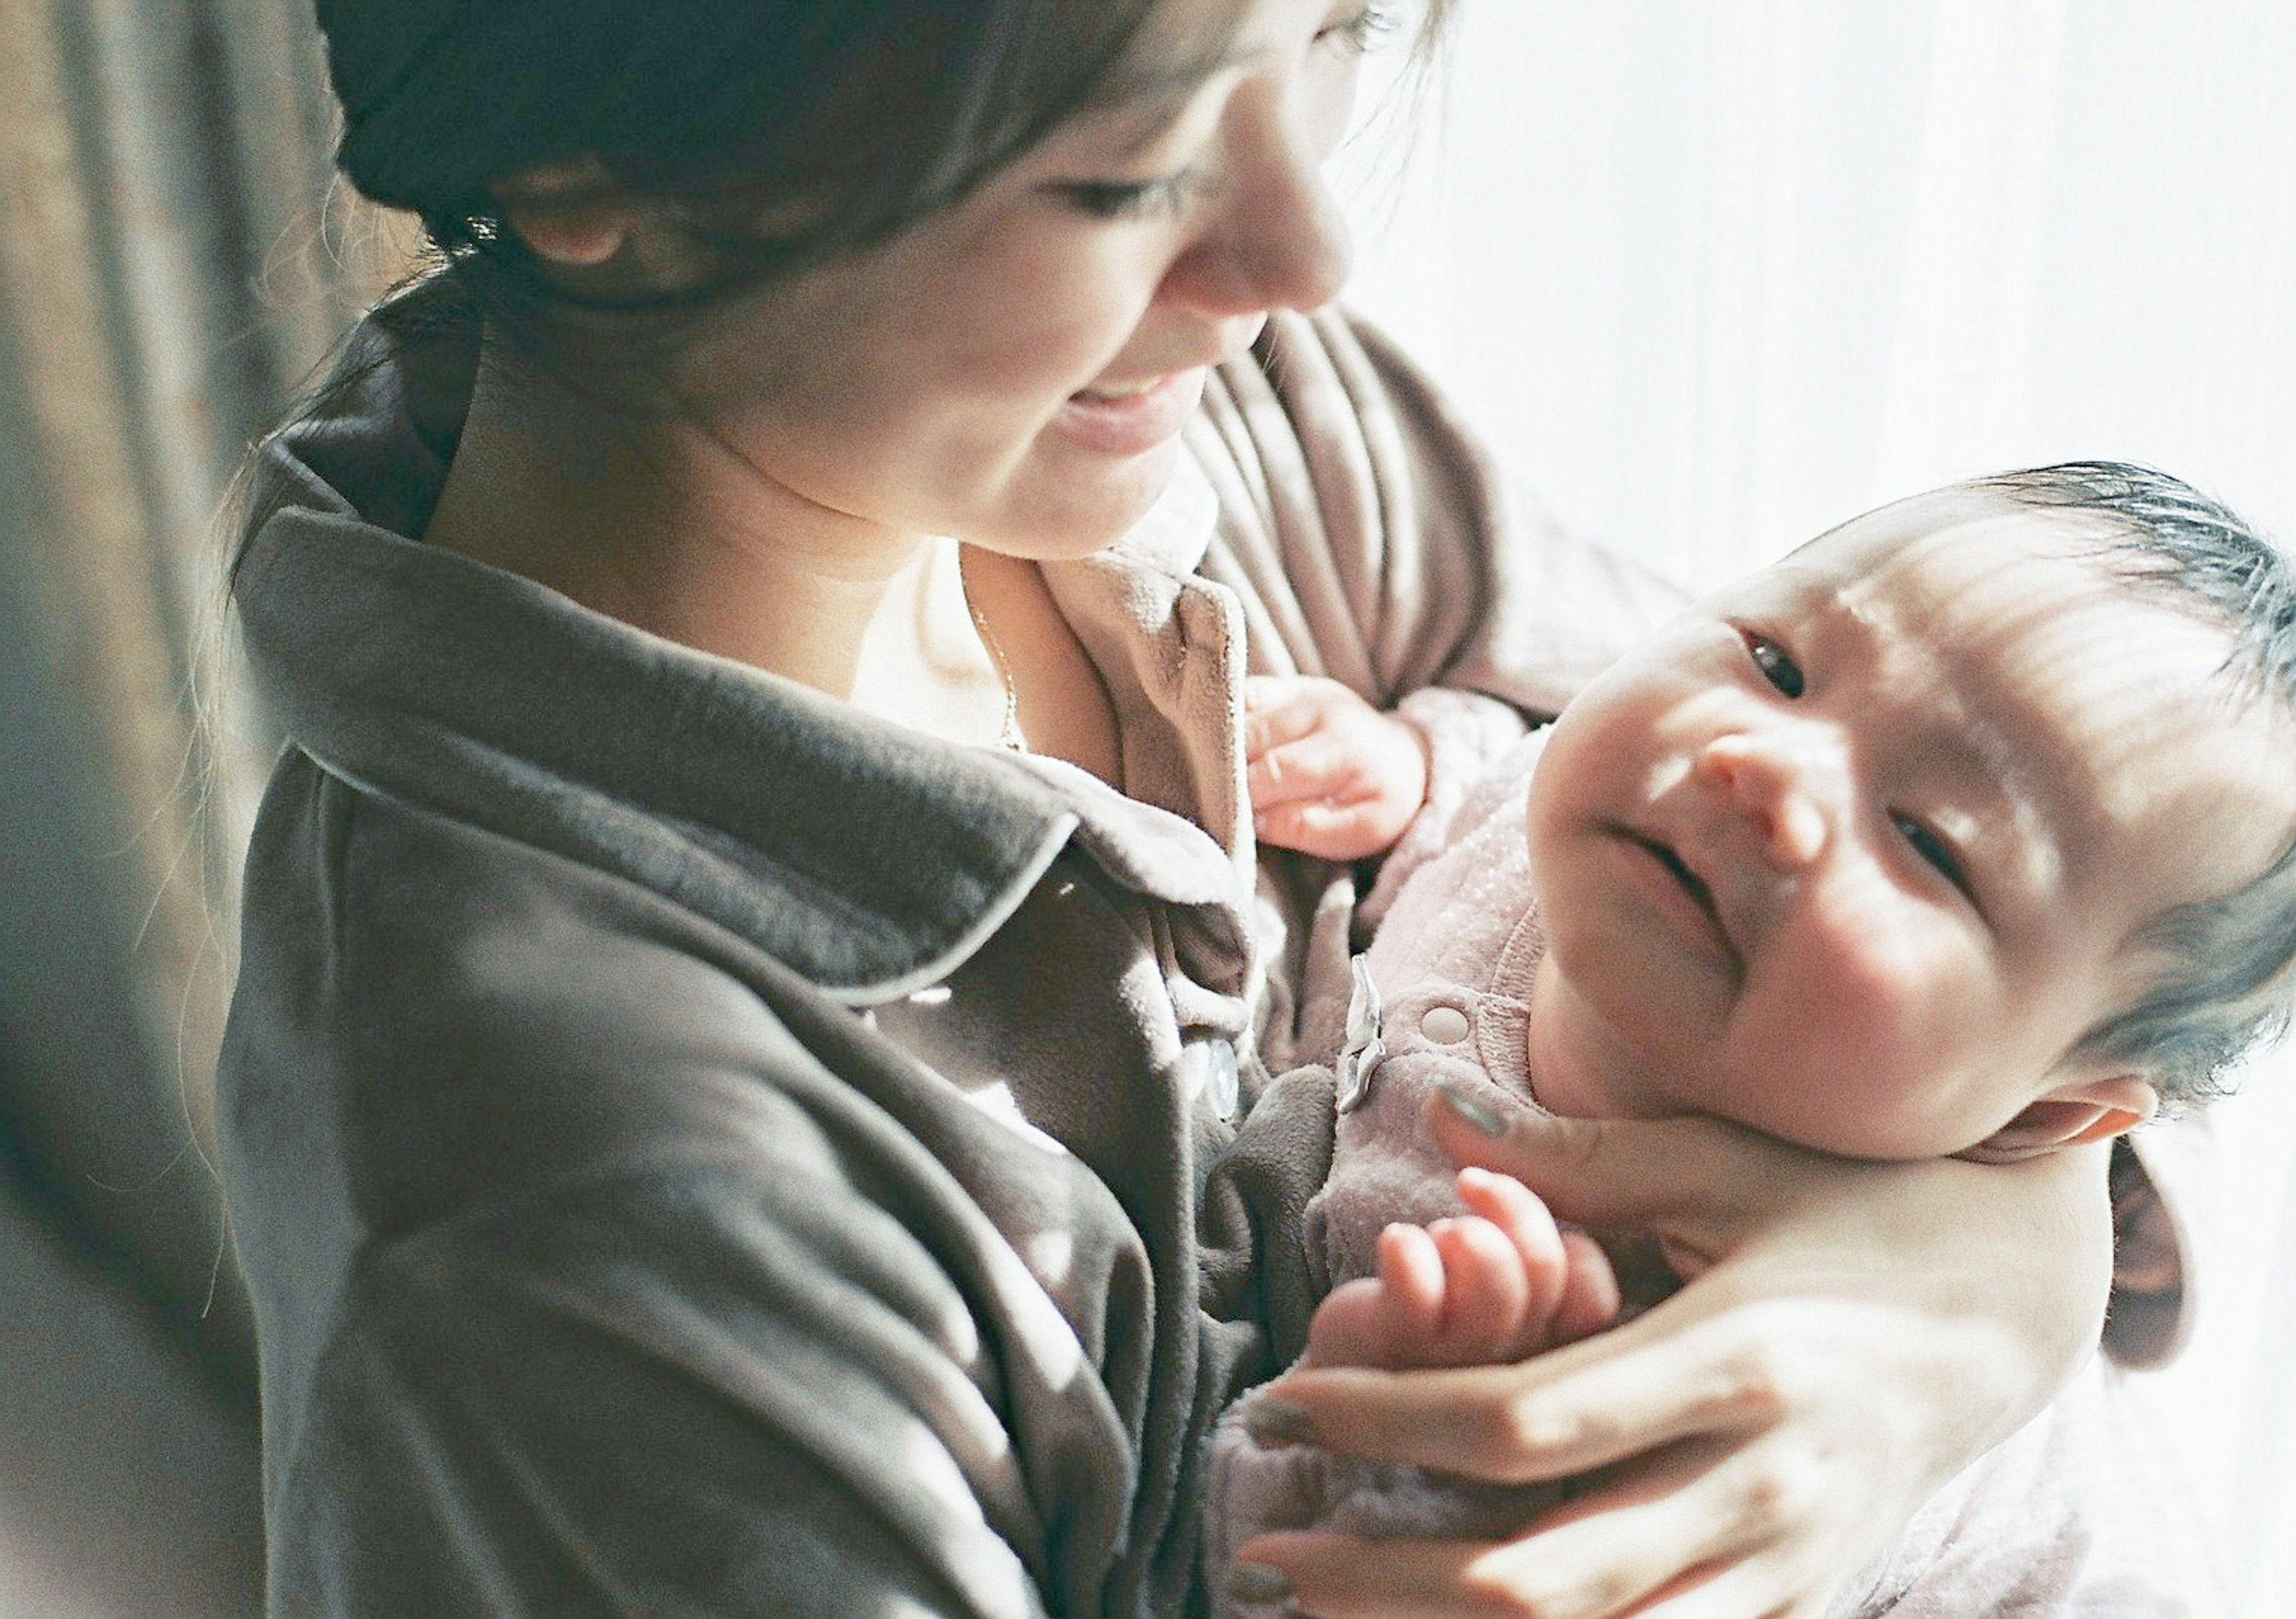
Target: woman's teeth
point(1129, 390)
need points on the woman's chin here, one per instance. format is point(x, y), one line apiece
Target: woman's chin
point(1067, 510)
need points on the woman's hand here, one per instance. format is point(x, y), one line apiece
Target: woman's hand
point(1861, 1332)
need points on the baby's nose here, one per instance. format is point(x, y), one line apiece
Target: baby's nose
point(1779, 787)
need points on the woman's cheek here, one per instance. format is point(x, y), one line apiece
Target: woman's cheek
point(1051, 320)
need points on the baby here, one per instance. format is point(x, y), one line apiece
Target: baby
point(1968, 829)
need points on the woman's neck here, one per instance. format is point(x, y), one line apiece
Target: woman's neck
point(663, 527)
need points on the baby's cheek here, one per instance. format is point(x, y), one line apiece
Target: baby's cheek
point(1857, 1021)
point(1861, 986)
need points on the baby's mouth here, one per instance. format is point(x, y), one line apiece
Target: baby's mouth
point(1690, 881)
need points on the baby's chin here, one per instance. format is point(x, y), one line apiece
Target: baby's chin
point(1574, 1062)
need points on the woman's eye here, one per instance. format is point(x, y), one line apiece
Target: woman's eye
point(1132, 199)
point(1360, 30)
point(1934, 850)
point(1776, 663)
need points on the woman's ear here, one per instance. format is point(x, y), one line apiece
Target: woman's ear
point(570, 211)
point(2090, 1110)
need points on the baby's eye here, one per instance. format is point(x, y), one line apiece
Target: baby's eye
point(1776, 663)
point(1936, 851)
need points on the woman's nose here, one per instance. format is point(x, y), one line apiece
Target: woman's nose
point(1277, 240)
point(1789, 789)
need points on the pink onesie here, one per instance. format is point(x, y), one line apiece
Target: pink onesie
point(2071, 1516)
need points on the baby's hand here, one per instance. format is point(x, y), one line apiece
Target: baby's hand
point(1498, 1283)
point(1328, 774)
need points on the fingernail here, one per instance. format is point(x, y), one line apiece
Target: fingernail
point(1473, 1109)
point(1272, 1422)
point(1257, 1582)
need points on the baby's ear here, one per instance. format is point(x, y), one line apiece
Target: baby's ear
point(2085, 1110)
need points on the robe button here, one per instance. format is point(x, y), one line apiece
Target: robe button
point(1223, 1086)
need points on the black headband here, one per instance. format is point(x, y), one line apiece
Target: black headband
point(443, 98)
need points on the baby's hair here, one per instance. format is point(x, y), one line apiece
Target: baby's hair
point(2231, 960)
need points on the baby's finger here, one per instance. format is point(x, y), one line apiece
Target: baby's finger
point(1389, 1318)
point(1519, 1215)
point(1412, 1286)
point(1277, 710)
point(1591, 1297)
point(1316, 766)
point(1265, 691)
point(1485, 1294)
point(1352, 1326)
point(1325, 830)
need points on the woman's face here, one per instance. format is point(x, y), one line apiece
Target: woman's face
point(1014, 370)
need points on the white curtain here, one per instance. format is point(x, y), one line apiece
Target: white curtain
point(1713, 275)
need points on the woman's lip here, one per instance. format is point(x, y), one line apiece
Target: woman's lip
point(1130, 423)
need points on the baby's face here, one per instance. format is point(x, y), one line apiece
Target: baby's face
point(1854, 852)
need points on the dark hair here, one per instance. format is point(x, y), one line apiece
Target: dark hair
point(2231, 961)
point(781, 132)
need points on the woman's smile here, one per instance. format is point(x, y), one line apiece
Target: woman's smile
point(1130, 419)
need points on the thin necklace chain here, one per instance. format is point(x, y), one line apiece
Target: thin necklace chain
point(1008, 733)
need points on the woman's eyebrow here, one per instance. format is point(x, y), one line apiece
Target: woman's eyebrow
point(1118, 126)
point(1155, 92)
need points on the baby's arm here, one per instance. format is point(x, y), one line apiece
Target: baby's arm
point(1328, 774)
point(1498, 1283)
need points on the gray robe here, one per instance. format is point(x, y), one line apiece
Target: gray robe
point(697, 1149)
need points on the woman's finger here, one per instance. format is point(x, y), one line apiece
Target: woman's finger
point(1779, 1220)
point(1332, 1576)
point(1338, 1576)
point(1758, 1587)
point(1595, 1403)
point(1666, 1524)
point(1620, 1172)
point(1708, 1530)
point(1689, 1534)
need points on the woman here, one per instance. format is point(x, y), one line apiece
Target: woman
point(721, 1080)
